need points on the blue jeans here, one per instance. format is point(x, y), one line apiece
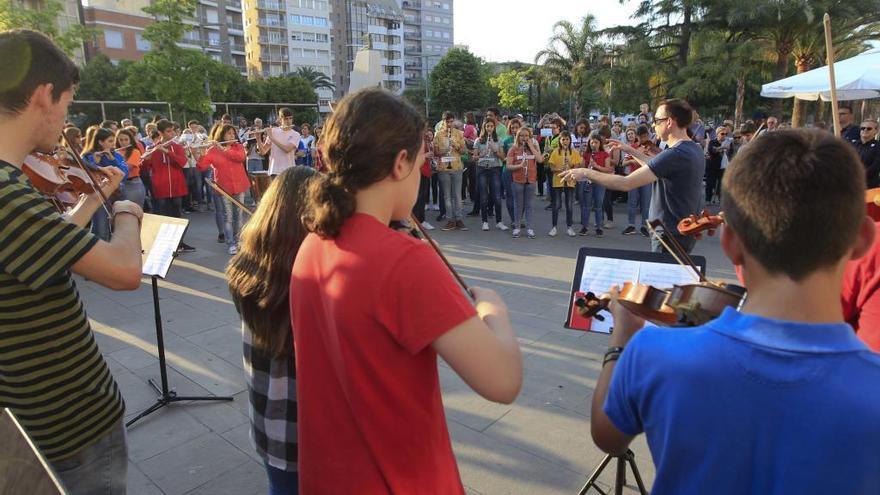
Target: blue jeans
point(282, 482)
point(193, 185)
point(507, 183)
point(450, 185)
point(592, 195)
point(135, 191)
point(556, 194)
point(522, 202)
point(639, 199)
point(99, 469)
point(232, 219)
point(489, 180)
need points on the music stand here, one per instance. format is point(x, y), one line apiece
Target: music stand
point(160, 237)
point(620, 476)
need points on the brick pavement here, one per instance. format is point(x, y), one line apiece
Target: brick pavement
point(538, 445)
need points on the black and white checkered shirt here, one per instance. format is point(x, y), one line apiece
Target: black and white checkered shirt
point(272, 390)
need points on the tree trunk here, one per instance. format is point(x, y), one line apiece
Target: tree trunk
point(740, 100)
point(684, 46)
point(797, 111)
point(783, 51)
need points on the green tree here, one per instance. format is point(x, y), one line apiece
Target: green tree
point(101, 80)
point(170, 25)
point(179, 80)
point(512, 89)
point(416, 96)
point(458, 83)
point(14, 15)
point(288, 89)
point(316, 79)
point(571, 54)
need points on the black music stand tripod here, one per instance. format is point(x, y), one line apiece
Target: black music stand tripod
point(620, 477)
point(166, 395)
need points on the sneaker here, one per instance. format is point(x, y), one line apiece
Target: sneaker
point(583, 231)
point(599, 233)
point(427, 226)
point(185, 248)
point(221, 238)
point(501, 226)
point(233, 249)
point(485, 226)
point(516, 232)
point(552, 232)
point(440, 218)
point(570, 232)
point(460, 225)
point(450, 225)
point(629, 230)
point(608, 224)
point(530, 233)
point(644, 231)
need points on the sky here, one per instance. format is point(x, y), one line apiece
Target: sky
point(509, 30)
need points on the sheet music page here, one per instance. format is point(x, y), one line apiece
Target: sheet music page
point(665, 275)
point(599, 275)
point(162, 252)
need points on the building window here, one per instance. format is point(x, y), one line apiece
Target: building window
point(295, 19)
point(113, 39)
point(142, 44)
point(445, 20)
point(321, 38)
point(429, 33)
point(321, 21)
point(211, 16)
point(296, 36)
point(446, 35)
point(308, 20)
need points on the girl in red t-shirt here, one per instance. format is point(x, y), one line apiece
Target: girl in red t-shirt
point(592, 194)
point(372, 307)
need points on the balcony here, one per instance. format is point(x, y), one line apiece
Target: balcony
point(407, 4)
point(279, 6)
point(263, 21)
point(237, 26)
point(412, 36)
point(273, 57)
point(237, 47)
point(273, 41)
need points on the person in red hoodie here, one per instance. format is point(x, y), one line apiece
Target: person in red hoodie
point(226, 156)
point(164, 162)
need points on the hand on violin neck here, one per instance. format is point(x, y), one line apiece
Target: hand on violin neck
point(488, 303)
point(113, 178)
point(626, 324)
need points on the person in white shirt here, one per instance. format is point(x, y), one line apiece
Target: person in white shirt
point(282, 143)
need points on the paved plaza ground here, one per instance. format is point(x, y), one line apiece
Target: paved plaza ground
point(538, 445)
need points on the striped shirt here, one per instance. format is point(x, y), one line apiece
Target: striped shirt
point(272, 392)
point(52, 375)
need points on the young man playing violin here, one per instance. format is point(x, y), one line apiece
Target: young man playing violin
point(52, 375)
point(676, 173)
point(780, 396)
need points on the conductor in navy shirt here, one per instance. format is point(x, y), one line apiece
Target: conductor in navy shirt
point(781, 396)
point(676, 172)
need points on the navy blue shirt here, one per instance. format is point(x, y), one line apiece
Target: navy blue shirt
point(677, 192)
point(746, 404)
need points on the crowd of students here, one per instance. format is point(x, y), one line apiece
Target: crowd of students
point(342, 327)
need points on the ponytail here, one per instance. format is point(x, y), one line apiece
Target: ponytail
point(330, 205)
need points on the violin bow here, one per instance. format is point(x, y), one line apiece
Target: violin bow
point(79, 161)
point(228, 196)
point(427, 237)
point(675, 249)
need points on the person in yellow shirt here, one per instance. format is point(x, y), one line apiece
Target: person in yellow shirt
point(448, 146)
point(563, 158)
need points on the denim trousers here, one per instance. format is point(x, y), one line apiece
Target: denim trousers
point(170, 207)
point(135, 191)
point(522, 203)
point(99, 469)
point(507, 183)
point(639, 200)
point(490, 191)
point(282, 482)
point(556, 196)
point(591, 197)
point(231, 218)
point(193, 184)
point(450, 185)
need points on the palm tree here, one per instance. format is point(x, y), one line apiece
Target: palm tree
point(316, 79)
point(570, 52)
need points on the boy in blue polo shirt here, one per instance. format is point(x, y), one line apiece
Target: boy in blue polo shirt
point(780, 397)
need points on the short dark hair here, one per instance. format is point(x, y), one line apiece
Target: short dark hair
point(285, 112)
point(448, 115)
point(780, 186)
point(680, 111)
point(225, 116)
point(191, 122)
point(164, 124)
point(643, 130)
point(493, 110)
point(30, 59)
point(841, 107)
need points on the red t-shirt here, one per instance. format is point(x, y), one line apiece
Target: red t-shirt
point(371, 302)
point(860, 296)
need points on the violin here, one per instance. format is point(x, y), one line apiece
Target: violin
point(697, 224)
point(642, 300)
point(54, 176)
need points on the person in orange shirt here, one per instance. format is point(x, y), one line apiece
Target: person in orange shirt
point(126, 144)
point(226, 156)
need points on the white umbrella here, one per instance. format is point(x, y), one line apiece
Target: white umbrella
point(858, 78)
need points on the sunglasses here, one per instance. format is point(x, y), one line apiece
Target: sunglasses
point(867, 128)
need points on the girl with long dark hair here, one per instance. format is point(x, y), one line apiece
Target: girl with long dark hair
point(99, 152)
point(134, 187)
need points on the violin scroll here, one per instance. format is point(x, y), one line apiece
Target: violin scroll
point(695, 225)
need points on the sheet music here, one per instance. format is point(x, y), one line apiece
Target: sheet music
point(601, 273)
point(162, 252)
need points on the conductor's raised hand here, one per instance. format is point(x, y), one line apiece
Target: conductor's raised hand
point(578, 174)
point(617, 144)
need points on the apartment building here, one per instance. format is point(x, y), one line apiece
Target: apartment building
point(67, 17)
point(428, 34)
point(217, 30)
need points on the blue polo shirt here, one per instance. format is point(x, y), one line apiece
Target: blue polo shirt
point(747, 404)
